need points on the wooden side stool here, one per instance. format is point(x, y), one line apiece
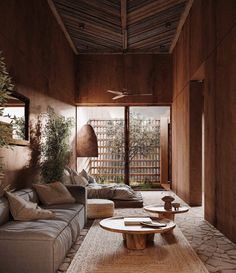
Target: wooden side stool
point(99, 208)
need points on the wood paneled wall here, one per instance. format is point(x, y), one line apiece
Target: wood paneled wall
point(208, 41)
point(42, 67)
point(138, 73)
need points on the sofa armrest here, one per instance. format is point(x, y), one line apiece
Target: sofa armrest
point(80, 194)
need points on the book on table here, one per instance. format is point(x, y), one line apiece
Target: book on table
point(132, 221)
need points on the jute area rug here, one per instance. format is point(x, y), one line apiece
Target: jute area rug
point(104, 252)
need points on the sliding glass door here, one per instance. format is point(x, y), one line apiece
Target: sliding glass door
point(144, 146)
point(129, 141)
point(108, 124)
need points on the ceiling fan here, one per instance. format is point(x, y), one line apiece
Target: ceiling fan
point(126, 93)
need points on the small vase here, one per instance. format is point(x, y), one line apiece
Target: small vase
point(168, 199)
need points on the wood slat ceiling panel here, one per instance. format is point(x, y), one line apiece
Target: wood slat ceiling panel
point(152, 31)
point(95, 25)
point(163, 17)
point(91, 15)
point(153, 8)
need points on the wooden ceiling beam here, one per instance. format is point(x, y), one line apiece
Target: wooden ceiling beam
point(62, 26)
point(123, 14)
point(181, 24)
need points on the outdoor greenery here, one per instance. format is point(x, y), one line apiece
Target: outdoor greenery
point(55, 150)
point(139, 131)
point(18, 125)
point(144, 140)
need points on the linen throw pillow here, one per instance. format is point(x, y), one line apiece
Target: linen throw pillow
point(84, 174)
point(80, 180)
point(89, 178)
point(54, 193)
point(23, 210)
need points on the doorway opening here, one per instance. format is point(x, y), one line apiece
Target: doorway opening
point(133, 144)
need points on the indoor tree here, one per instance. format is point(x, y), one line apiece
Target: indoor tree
point(5, 87)
point(142, 138)
point(55, 148)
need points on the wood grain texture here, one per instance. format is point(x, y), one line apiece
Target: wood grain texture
point(125, 25)
point(225, 135)
point(181, 53)
point(211, 47)
point(41, 64)
point(196, 37)
point(181, 145)
point(164, 150)
point(195, 131)
point(139, 73)
point(210, 143)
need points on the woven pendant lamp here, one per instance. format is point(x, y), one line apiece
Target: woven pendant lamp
point(87, 144)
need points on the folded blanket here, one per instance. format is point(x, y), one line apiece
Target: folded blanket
point(111, 191)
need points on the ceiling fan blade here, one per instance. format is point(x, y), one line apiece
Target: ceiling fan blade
point(114, 92)
point(147, 94)
point(138, 94)
point(119, 97)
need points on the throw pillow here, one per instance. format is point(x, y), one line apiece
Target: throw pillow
point(23, 210)
point(89, 178)
point(80, 180)
point(66, 177)
point(54, 193)
point(84, 174)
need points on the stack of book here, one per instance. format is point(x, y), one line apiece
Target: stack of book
point(133, 221)
point(143, 221)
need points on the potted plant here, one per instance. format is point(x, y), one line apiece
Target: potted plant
point(5, 87)
point(55, 148)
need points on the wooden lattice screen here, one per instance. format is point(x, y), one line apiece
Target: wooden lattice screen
point(109, 166)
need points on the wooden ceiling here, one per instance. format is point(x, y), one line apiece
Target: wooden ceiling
point(118, 26)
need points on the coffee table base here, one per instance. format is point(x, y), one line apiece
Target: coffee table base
point(137, 241)
point(167, 215)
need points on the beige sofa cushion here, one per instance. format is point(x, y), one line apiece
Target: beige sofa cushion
point(23, 210)
point(54, 193)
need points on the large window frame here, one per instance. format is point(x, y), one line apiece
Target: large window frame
point(127, 135)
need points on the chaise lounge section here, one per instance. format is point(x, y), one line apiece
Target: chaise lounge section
point(40, 246)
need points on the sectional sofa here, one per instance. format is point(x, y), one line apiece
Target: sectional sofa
point(40, 246)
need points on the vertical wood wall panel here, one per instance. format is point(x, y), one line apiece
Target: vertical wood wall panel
point(138, 73)
point(195, 135)
point(210, 143)
point(225, 135)
point(212, 45)
point(180, 136)
point(181, 53)
point(164, 150)
point(196, 37)
point(42, 66)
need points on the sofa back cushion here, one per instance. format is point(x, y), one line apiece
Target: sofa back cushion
point(24, 210)
point(54, 193)
point(4, 210)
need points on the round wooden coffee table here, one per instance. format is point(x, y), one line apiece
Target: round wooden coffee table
point(135, 237)
point(168, 214)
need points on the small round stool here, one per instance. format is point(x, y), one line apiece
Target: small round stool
point(99, 208)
